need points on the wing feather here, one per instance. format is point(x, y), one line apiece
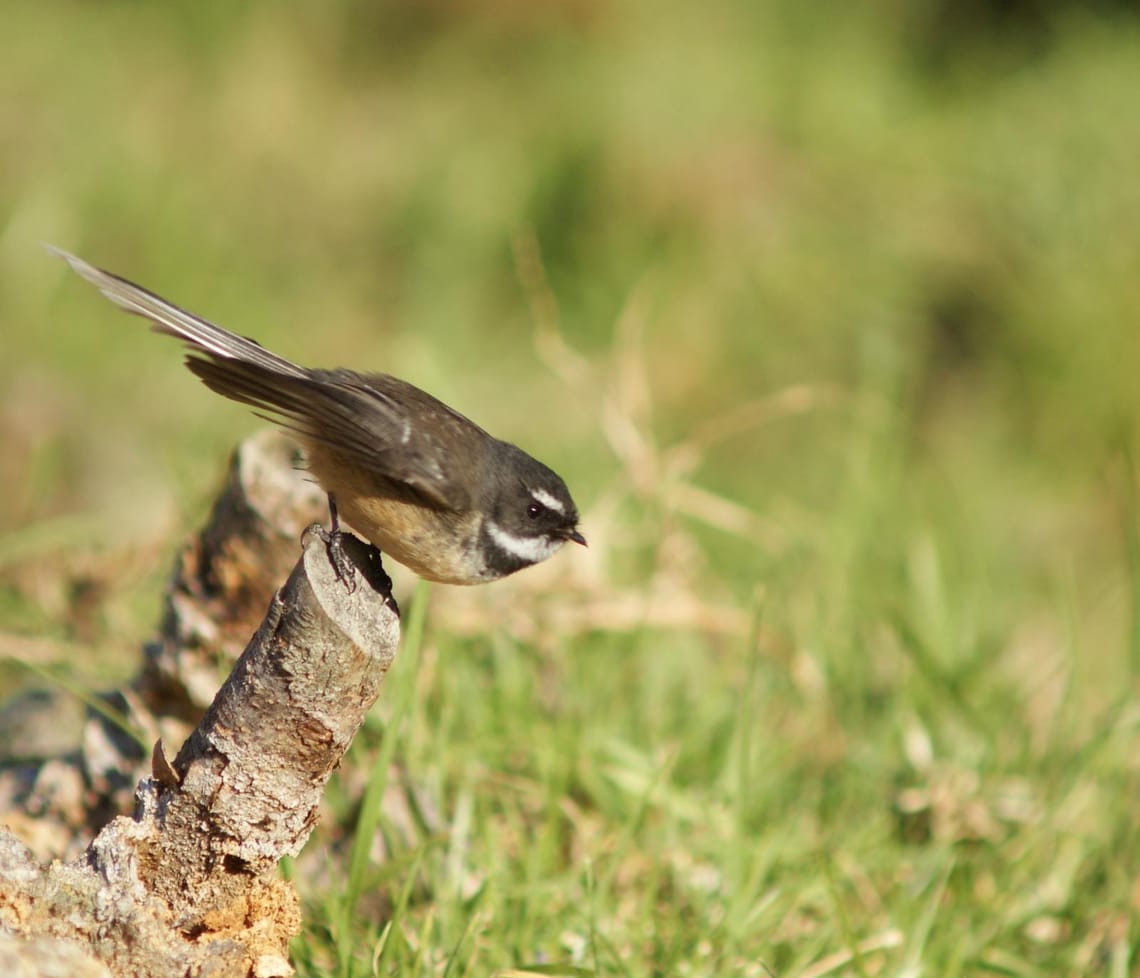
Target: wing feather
point(383, 425)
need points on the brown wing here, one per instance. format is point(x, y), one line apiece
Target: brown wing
point(384, 424)
point(381, 423)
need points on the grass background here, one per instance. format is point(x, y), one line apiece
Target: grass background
point(828, 315)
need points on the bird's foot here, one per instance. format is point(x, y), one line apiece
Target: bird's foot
point(350, 556)
point(333, 540)
point(365, 559)
point(343, 567)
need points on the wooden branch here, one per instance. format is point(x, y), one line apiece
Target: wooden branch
point(188, 885)
point(223, 577)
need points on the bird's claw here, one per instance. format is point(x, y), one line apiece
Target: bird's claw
point(344, 568)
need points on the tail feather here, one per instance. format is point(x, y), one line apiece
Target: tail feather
point(200, 334)
point(363, 418)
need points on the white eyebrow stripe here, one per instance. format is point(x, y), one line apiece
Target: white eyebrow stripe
point(531, 549)
point(547, 500)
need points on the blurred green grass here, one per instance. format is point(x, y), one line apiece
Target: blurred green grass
point(892, 263)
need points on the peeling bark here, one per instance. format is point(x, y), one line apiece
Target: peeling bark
point(188, 886)
point(55, 795)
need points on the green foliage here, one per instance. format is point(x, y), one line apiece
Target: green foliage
point(828, 315)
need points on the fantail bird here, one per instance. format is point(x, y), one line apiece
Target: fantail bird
point(423, 483)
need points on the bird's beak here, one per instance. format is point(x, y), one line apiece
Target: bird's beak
point(576, 537)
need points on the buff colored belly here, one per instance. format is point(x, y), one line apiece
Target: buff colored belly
point(438, 545)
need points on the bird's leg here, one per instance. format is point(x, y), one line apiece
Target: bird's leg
point(334, 545)
point(365, 557)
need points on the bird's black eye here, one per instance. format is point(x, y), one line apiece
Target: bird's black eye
point(533, 510)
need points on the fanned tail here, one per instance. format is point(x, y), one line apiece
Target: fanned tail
point(165, 317)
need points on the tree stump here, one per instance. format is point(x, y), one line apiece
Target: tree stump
point(188, 884)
